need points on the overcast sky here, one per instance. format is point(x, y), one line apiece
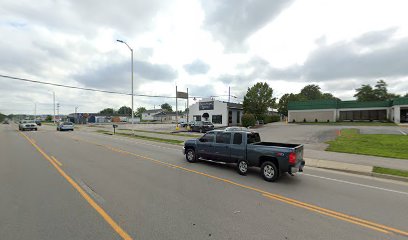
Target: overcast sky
point(205, 46)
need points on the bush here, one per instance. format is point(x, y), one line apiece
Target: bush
point(293, 120)
point(316, 120)
point(304, 120)
point(248, 120)
point(270, 119)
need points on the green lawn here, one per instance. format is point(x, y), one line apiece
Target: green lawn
point(155, 139)
point(350, 123)
point(390, 171)
point(383, 145)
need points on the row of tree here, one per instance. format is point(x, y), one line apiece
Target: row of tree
point(259, 98)
point(124, 110)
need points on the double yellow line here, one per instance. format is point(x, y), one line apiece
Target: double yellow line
point(54, 162)
point(327, 212)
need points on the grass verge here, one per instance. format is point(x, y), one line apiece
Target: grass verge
point(382, 145)
point(390, 171)
point(155, 139)
point(349, 123)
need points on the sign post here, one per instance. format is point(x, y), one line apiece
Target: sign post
point(183, 95)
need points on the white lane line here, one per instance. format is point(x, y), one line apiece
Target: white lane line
point(404, 133)
point(356, 184)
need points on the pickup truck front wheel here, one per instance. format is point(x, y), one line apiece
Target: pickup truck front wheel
point(242, 167)
point(269, 171)
point(190, 155)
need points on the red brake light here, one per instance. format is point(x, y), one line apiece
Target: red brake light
point(292, 158)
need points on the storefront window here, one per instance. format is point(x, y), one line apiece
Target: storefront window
point(217, 119)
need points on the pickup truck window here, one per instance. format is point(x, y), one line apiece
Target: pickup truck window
point(237, 138)
point(253, 138)
point(208, 137)
point(223, 137)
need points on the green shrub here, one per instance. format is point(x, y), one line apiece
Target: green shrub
point(270, 119)
point(248, 120)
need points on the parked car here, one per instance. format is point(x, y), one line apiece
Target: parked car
point(5, 122)
point(201, 126)
point(27, 125)
point(65, 126)
point(38, 122)
point(245, 149)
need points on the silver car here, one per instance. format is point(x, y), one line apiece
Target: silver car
point(65, 126)
point(27, 125)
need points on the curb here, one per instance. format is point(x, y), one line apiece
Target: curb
point(350, 168)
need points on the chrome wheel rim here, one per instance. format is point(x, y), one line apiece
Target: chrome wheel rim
point(190, 155)
point(243, 166)
point(269, 172)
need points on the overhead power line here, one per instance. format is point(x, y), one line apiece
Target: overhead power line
point(81, 88)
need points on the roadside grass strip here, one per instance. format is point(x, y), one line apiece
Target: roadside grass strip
point(381, 145)
point(350, 123)
point(155, 139)
point(390, 171)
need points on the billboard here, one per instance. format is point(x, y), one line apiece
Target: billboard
point(182, 95)
point(206, 105)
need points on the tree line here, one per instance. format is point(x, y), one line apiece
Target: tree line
point(127, 111)
point(259, 98)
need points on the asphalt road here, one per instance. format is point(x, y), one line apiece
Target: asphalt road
point(83, 185)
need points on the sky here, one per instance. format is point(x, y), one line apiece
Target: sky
point(206, 46)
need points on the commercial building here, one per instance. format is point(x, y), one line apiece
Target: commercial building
point(218, 112)
point(395, 110)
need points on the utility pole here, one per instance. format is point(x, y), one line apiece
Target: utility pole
point(58, 106)
point(76, 117)
point(35, 111)
point(188, 107)
point(229, 93)
point(176, 111)
point(53, 94)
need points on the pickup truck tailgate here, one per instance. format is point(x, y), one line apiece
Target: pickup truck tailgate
point(299, 154)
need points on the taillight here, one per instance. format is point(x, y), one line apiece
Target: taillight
point(292, 158)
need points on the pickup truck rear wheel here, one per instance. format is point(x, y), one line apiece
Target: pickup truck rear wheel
point(269, 171)
point(242, 167)
point(190, 155)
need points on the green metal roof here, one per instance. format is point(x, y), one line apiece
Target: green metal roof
point(333, 104)
point(400, 101)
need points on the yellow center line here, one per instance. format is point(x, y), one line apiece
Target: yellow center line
point(294, 202)
point(58, 162)
point(96, 206)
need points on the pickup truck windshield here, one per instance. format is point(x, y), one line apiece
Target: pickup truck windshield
point(253, 138)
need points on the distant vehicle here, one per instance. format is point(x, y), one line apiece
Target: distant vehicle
point(232, 129)
point(65, 126)
point(201, 126)
point(245, 149)
point(5, 122)
point(38, 122)
point(27, 125)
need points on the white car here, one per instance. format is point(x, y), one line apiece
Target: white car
point(27, 125)
point(65, 126)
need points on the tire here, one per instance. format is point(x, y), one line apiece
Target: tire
point(269, 171)
point(242, 167)
point(191, 156)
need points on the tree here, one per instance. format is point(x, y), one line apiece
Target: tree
point(406, 95)
point(258, 99)
point(2, 117)
point(124, 110)
point(48, 118)
point(139, 112)
point(107, 111)
point(311, 92)
point(365, 93)
point(284, 100)
point(166, 107)
point(381, 91)
point(248, 120)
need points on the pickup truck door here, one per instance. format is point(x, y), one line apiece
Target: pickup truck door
point(238, 147)
point(222, 150)
point(205, 145)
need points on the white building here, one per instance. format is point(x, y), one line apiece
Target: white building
point(149, 114)
point(218, 112)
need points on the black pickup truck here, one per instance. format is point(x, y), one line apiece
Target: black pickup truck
point(245, 149)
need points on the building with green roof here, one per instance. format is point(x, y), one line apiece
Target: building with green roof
point(395, 110)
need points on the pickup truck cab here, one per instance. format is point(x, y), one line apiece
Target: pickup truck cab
point(245, 149)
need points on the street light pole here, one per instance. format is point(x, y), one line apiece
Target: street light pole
point(131, 52)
